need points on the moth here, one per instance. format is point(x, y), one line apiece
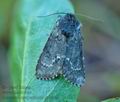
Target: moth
point(63, 52)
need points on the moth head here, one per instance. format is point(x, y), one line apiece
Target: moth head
point(68, 25)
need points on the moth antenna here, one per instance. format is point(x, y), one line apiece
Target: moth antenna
point(77, 14)
point(89, 17)
point(54, 14)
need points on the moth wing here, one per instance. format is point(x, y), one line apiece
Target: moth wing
point(73, 66)
point(50, 62)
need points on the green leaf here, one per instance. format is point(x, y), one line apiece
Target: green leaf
point(57, 90)
point(30, 33)
point(112, 100)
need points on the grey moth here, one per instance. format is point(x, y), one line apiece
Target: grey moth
point(63, 52)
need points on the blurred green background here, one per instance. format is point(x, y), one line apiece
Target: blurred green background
point(101, 29)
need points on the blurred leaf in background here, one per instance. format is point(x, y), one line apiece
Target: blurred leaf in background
point(6, 7)
point(112, 100)
point(6, 10)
